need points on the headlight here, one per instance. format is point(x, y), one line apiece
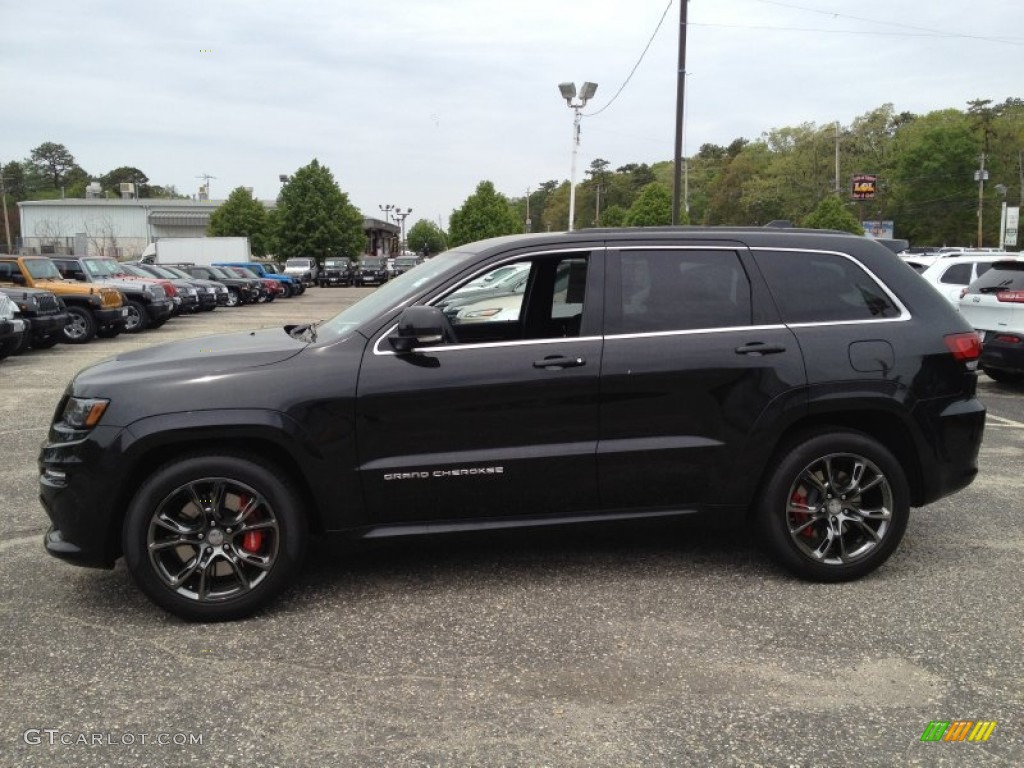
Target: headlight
point(27, 305)
point(84, 412)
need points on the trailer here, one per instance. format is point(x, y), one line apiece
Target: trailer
point(197, 250)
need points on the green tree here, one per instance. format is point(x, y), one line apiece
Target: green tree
point(242, 216)
point(315, 218)
point(832, 213)
point(53, 161)
point(126, 174)
point(652, 208)
point(614, 216)
point(425, 235)
point(485, 213)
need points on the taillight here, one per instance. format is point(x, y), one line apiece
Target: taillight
point(964, 346)
point(1011, 297)
point(1007, 338)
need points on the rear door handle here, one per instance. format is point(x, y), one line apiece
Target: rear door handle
point(557, 362)
point(760, 348)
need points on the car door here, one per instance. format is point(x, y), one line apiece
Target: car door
point(501, 422)
point(697, 370)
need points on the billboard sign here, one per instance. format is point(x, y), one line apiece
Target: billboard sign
point(864, 187)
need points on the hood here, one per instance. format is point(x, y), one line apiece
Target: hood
point(193, 358)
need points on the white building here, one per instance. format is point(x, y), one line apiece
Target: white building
point(123, 228)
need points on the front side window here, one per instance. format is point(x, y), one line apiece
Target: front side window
point(812, 287)
point(540, 297)
point(678, 290)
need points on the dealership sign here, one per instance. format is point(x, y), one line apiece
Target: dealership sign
point(864, 187)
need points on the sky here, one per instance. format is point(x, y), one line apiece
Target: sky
point(412, 103)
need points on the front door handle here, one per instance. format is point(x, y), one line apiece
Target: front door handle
point(757, 348)
point(558, 362)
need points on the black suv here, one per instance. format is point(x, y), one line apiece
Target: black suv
point(372, 270)
point(337, 270)
point(807, 381)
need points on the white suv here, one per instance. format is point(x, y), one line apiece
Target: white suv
point(304, 268)
point(950, 275)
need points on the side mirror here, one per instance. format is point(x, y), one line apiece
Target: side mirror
point(420, 327)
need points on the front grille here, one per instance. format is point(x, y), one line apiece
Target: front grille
point(48, 305)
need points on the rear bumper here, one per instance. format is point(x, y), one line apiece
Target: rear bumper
point(951, 443)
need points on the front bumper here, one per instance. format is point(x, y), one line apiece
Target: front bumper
point(47, 326)
point(111, 318)
point(161, 309)
point(75, 478)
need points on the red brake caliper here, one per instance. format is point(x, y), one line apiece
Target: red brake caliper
point(252, 541)
point(800, 497)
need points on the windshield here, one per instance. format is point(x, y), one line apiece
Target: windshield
point(102, 267)
point(220, 272)
point(42, 269)
point(177, 272)
point(393, 294)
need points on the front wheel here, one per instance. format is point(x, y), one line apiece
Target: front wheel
point(81, 327)
point(834, 507)
point(138, 317)
point(234, 299)
point(213, 537)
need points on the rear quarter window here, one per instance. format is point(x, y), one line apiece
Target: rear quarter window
point(812, 287)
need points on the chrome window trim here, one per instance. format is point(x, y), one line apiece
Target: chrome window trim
point(487, 345)
point(695, 331)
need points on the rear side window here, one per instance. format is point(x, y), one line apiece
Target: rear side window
point(1003, 276)
point(814, 287)
point(679, 290)
point(958, 274)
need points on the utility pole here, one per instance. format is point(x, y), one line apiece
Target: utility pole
point(838, 193)
point(3, 196)
point(980, 176)
point(680, 102)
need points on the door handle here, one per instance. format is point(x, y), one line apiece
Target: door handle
point(758, 348)
point(558, 362)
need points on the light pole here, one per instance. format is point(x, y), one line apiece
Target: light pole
point(400, 216)
point(3, 197)
point(387, 209)
point(568, 90)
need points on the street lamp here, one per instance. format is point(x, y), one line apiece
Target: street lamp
point(400, 218)
point(568, 90)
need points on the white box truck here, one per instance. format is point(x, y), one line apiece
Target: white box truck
point(197, 250)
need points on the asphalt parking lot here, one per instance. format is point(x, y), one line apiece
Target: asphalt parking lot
point(659, 645)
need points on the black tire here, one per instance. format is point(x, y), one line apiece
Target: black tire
point(225, 559)
point(287, 291)
point(138, 316)
point(834, 505)
point(234, 299)
point(110, 332)
point(1007, 377)
point(81, 326)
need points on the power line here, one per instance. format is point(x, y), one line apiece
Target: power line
point(927, 30)
point(635, 66)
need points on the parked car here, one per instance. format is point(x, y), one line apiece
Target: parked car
point(304, 268)
point(268, 288)
point(337, 271)
point(372, 270)
point(289, 285)
point(949, 276)
point(92, 310)
point(403, 264)
point(205, 295)
point(12, 327)
point(149, 302)
point(214, 288)
point(44, 314)
point(994, 305)
point(240, 290)
point(800, 382)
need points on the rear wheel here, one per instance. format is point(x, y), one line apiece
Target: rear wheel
point(214, 537)
point(81, 327)
point(834, 506)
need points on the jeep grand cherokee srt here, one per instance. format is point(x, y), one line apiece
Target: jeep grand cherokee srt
point(807, 383)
